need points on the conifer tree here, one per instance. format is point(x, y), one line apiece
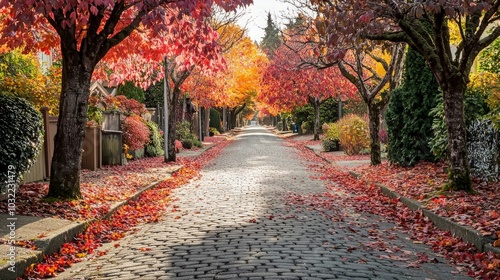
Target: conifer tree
point(408, 121)
point(271, 40)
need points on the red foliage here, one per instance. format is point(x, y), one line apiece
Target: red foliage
point(122, 103)
point(480, 210)
point(135, 132)
point(178, 146)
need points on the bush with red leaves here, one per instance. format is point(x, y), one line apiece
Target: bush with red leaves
point(135, 132)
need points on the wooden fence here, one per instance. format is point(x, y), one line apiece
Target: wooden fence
point(91, 156)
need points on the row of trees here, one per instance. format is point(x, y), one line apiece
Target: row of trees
point(130, 38)
point(366, 41)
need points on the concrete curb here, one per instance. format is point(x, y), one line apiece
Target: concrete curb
point(468, 234)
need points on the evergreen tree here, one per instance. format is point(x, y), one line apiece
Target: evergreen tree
point(271, 40)
point(408, 121)
point(131, 91)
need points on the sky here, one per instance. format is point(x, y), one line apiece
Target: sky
point(256, 15)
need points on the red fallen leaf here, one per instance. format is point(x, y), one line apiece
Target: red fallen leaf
point(271, 217)
point(143, 249)
point(102, 253)
point(116, 245)
point(177, 217)
point(253, 220)
point(41, 235)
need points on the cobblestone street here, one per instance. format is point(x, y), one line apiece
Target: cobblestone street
point(237, 222)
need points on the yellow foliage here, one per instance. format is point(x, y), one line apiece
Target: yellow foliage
point(353, 134)
point(241, 80)
point(455, 37)
point(30, 83)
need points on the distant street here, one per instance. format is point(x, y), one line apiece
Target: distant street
point(248, 217)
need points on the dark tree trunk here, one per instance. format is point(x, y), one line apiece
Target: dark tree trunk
point(458, 171)
point(206, 121)
point(316, 103)
point(374, 125)
point(68, 142)
point(232, 118)
point(172, 113)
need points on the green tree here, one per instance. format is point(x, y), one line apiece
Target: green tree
point(408, 121)
point(271, 40)
point(154, 95)
point(131, 91)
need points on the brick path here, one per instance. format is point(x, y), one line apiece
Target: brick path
point(238, 222)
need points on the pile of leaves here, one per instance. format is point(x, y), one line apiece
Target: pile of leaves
point(363, 195)
point(147, 208)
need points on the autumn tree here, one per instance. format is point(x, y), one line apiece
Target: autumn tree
point(409, 21)
point(374, 88)
point(287, 85)
point(86, 32)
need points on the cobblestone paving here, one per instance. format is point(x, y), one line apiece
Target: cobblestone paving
point(236, 224)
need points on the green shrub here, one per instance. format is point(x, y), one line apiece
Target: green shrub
point(154, 147)
point(330, 145)
point(187, 143)
point(475, 108)
point(183, 131)
point(354, 134)
point(215, 119)
point(22, 138)
point(197, 143)
point(407, 117)
point(306, 127)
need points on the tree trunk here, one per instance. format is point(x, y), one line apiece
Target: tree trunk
point(206, 121)
point(458, 170)
point(340, 108)
point(224, 119)
point(172, 106)
point(374, 125)
point(68, 142)
point(316, 105)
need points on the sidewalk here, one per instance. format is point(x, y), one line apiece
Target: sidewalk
point(468, 234)
point(43, 236)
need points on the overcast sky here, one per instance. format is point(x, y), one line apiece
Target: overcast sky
point(256, 15)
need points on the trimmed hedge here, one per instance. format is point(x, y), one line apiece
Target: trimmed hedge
point(22, 137)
